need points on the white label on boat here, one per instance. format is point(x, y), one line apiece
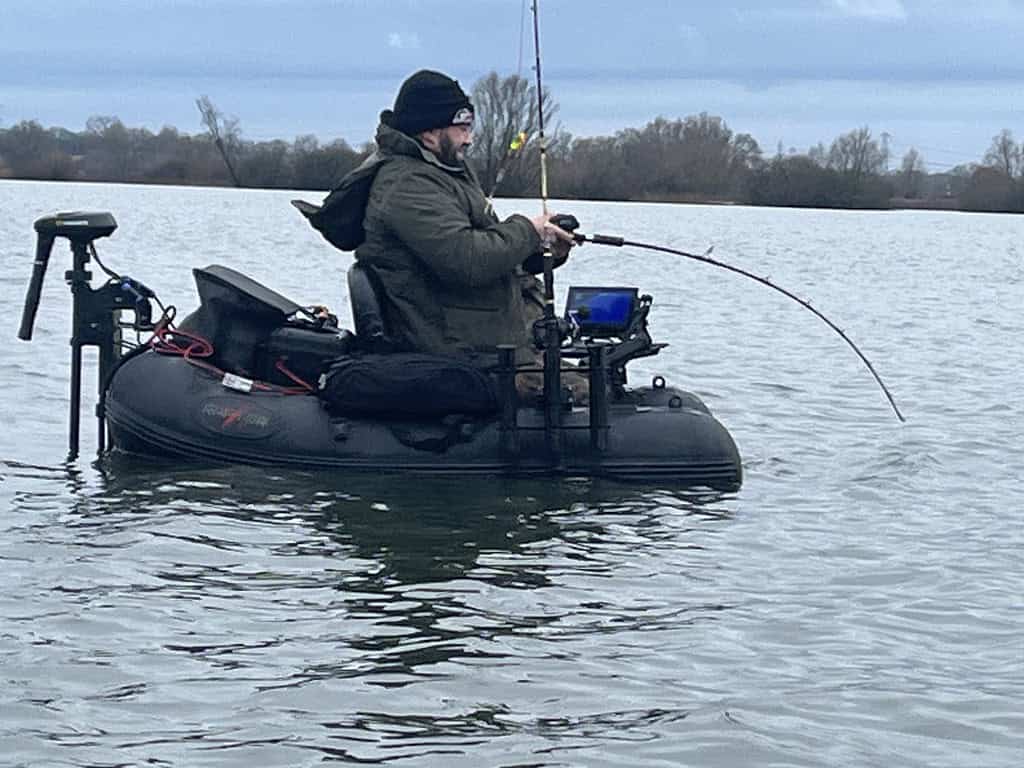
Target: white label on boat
point(240, 383)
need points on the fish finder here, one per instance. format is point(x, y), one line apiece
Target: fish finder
point(601, 312)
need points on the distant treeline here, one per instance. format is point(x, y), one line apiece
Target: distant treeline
point(107, 150)
point(692, 159)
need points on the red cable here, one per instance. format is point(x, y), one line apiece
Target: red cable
point(303, 384)
point(165, 342)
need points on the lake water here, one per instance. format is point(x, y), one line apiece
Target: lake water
point(858, 602)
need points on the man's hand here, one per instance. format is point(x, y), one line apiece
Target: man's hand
point(554, 238)
point(549, 233)
point(560, 250)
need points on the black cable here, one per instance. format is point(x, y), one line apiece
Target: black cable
point(96, 257)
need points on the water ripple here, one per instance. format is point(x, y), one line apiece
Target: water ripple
point(856, 603)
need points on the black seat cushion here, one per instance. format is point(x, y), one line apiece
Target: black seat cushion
point(364, 291)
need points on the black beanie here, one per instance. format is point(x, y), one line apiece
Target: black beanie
point(428, 100)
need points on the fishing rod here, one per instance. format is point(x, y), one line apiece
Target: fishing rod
point(552, 332)
point(618, 242)
point(540, 117)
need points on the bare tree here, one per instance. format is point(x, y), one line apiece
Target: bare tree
point(912, 174)
point(1005, 154)
point(114, 151)
point(321, 167)
point(989, 189)
point(856, 154)
point(505, 140)
point(225, 133)
point(29, 150)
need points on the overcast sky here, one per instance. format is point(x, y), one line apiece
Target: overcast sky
point(941, 75)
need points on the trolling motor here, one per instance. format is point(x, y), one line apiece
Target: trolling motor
point(95, 311)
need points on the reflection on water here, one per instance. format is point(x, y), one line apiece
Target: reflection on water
point(292, 589)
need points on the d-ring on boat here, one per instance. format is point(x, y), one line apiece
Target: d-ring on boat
point(238, 383)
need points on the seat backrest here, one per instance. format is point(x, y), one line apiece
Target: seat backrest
point(364, 292)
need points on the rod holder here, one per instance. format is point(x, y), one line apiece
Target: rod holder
point(597, 375)
point(508, 403)
point(553, 400)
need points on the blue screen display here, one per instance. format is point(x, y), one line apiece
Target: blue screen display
point(604, 309)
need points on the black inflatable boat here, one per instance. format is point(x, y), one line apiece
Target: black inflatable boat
point(242, 381)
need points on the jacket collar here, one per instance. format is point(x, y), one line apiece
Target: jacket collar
point(392, 141)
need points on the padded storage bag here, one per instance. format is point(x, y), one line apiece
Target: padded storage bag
point(404, 385)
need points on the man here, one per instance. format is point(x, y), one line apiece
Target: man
point(451, 272)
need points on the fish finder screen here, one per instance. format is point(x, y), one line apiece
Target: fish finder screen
point(601, 311)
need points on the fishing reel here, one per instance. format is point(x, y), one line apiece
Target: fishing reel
point(564, 326)
point(569, 223)
point(612, 317)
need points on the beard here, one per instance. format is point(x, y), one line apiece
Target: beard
point(448, 152)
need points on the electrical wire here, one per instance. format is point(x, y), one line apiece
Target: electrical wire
point(197, 350)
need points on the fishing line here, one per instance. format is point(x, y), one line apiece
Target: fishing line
point(540, 115)
point(522, 37)
point(706, 258)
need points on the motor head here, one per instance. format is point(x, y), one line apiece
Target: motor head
point(81, 229)
point(77, 226)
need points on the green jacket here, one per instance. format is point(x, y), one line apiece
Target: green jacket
point(450, 270)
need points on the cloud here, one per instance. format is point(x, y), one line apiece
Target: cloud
point(873, 10)
point(403, 42)
point(990, 11)
point(825, 10)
